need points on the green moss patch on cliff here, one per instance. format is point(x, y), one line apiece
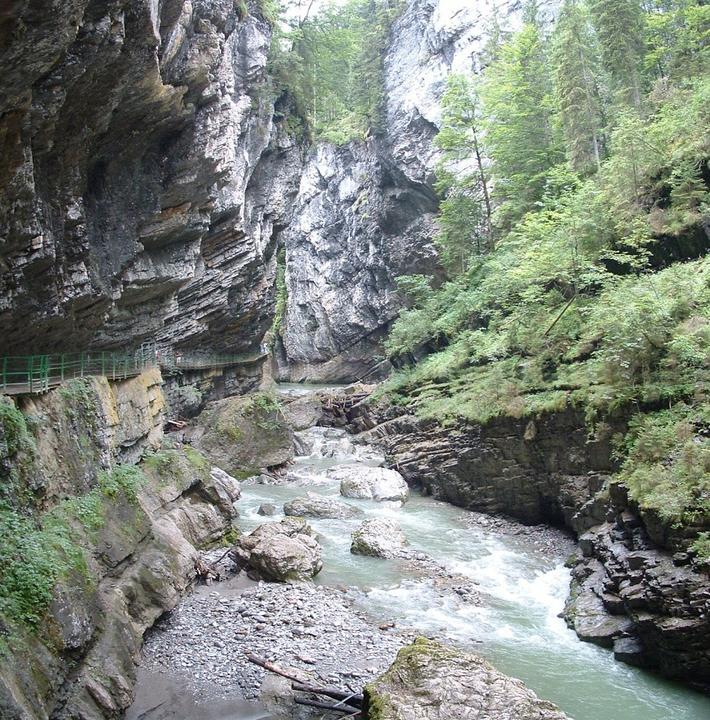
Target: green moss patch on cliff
point(17, 454)
point(36, 550)
point(667, 469)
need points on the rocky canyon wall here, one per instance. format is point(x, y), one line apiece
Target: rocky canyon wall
point(365, 212)
point(141, 174)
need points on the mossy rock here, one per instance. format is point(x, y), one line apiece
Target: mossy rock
point(241, 435)
point(432, 681)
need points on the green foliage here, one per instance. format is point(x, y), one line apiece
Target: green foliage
point(620, 26)
point(36, 551)
point(578, 86)
point(519, 103)
point(330, 65)
point(17, 454)
point(414, 289)
point(667, 466)
point(701, 546)
point(465, 221)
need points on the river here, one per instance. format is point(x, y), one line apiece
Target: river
point(522, 581)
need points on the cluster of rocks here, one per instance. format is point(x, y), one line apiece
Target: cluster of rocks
point(304, 626)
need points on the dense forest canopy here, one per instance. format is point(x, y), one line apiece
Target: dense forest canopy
point(575, 219)
point(329, 65)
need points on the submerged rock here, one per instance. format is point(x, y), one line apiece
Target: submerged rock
point(379, 538)
point(370, 483)
point(285, 551)
point(431, 681)
point(314, 505)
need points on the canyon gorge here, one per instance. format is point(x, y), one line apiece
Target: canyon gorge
point(166, 205)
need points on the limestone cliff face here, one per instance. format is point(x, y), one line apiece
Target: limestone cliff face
point(358, 223)
point(134, 136)
point(365, 212)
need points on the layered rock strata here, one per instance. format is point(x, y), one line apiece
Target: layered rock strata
point(142, 178)
point(129, 535)
point(632, 589)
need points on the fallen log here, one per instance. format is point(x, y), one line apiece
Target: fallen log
point(345, 709)
point(353, 699)
point(291, 674)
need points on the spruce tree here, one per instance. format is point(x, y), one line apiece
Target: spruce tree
point(620, 27)
point(577, 87)
point(461, 142)
point(518, 102)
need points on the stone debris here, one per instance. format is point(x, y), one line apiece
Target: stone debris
point(309, 627)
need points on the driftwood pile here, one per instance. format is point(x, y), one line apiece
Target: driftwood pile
point(347, 702)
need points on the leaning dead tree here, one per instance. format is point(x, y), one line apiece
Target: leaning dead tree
point(347, 702)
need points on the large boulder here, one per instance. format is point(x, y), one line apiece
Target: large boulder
point(378, 537)
point(314, 505)
point(285, 551)
point(370, 483)
point(431, 681)
point(243, 434)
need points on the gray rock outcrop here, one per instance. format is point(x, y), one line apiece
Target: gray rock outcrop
point(358, 224)
point(378, 537)
point(370, 483)
point(138, 545)
point(319, 506)
point(285, 551)
point(432, 681)
point(243, 434)
point(142, 176)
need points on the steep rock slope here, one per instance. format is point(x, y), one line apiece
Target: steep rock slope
point(131, 207)
point(357, 224)
point(364, 214)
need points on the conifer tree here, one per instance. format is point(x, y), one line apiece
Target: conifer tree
point(578, 87)
point(461, 140)
point(518, 103)
point(620, 27)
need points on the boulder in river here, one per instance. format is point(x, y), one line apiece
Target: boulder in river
point(378, 537)
point(432, 681)
point(285, 551)
point(315, 505)
point(267, 509)
point(370, 483)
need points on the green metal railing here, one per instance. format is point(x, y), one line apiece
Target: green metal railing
point(32, 374)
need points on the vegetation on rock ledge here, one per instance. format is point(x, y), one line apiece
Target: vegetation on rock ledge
point(576, 252)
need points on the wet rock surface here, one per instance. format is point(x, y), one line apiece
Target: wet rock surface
point(285, 551)
point(432, 681)
point(314, 505)
point(370, 483)
point(651, 607)
point(647, 603)
point(378, 537)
